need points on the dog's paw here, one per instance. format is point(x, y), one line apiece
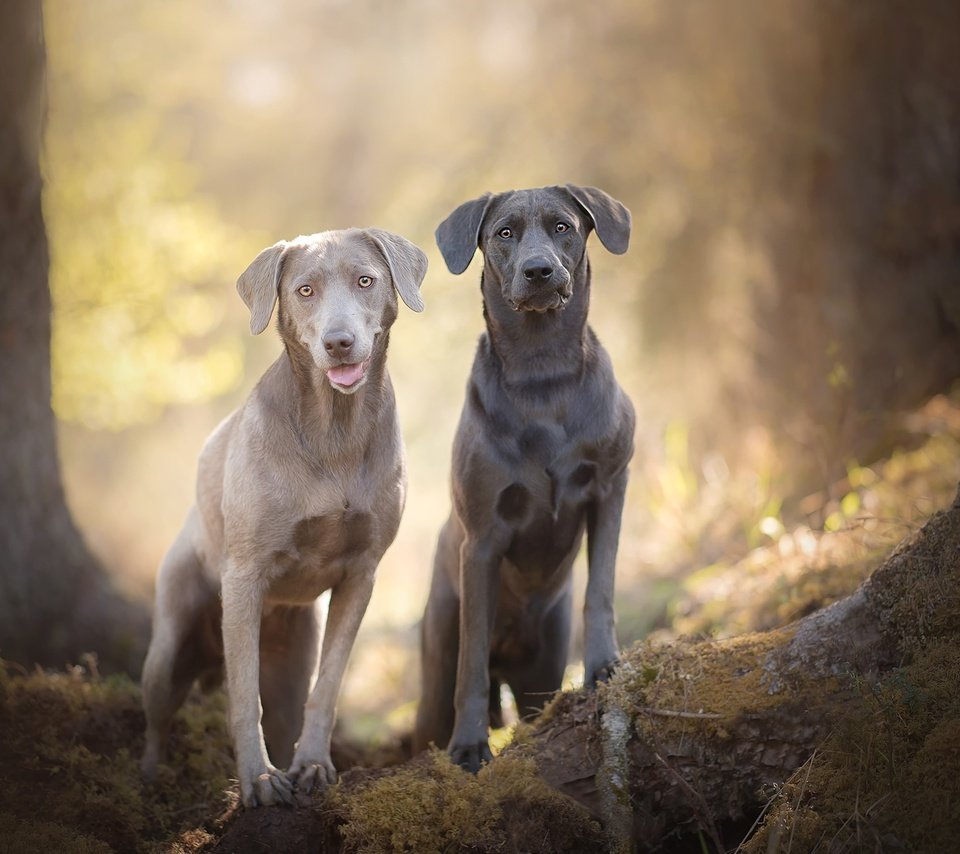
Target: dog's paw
point(597, 673)
point(269, 787)
point(470, 756)
point(310, 774)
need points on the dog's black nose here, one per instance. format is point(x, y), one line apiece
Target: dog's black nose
point(338, 343)
point(537, 269)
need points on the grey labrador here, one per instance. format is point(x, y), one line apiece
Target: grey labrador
point(540, 454)
point(299, 491)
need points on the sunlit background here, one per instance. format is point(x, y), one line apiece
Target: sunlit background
point(759, 321)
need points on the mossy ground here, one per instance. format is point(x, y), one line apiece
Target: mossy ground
point(70, 783)
point(431, 805)
point(68, 765)
point(669, 689)
point(887, 779)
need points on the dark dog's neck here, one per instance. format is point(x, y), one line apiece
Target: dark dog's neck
point(534, 349)
point(328, 423)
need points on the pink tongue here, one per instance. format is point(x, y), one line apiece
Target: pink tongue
point(346, 375)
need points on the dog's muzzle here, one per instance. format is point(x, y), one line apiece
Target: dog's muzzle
point(541, 303)
point(541, 285)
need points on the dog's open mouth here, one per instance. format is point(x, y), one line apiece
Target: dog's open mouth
point(347, 376)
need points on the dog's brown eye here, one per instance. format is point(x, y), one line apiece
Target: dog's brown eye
point(305, 291)
point(505, 233)
point(364, 281)
point(562, 227)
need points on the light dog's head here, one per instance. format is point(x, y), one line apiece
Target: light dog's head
point(533, 240)
point(337, 292)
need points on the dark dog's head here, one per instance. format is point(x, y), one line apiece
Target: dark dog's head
point(533, 240)
point(338, 293)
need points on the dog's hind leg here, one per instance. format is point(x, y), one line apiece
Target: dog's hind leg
point(497, 718)
point(439, 650)
point(534, 682)
point(289, 651)
point(185, 613)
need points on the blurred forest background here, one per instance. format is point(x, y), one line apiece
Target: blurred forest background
point(789, 303)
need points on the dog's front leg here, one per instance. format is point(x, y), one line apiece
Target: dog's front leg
point(312, 764)
point(260, 782)
point(603, 536)
point(479, 581)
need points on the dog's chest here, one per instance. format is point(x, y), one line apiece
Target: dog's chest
point(338, 535)
point(323, 548)
point(545, 506)
point(554, 475)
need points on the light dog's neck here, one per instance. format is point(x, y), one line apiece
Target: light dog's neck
point(534, 348)
point(328, 423)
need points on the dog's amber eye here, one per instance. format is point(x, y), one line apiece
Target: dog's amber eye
point(505, 233)
point(562, 227)
point(364, 281)
point(305, 291)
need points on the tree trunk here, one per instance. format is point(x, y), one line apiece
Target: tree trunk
point(865, 320)
point(55, 600)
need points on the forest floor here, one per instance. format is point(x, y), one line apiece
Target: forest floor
point(886, 781)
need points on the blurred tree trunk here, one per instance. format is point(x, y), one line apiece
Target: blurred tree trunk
point(865, 321)
point(833, 137)
point(55, 600)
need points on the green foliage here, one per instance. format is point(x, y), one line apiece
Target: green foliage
point(141, 266)
point(802, 569)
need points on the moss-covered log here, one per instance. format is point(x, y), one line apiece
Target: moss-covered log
point(692, 739)
point(714, 724)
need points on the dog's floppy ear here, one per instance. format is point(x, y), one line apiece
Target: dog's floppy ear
point(611, 220)
point(458, 236)
point(258, 285)
point(407, 263)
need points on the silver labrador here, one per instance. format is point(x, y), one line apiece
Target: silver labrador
point(299, 491)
